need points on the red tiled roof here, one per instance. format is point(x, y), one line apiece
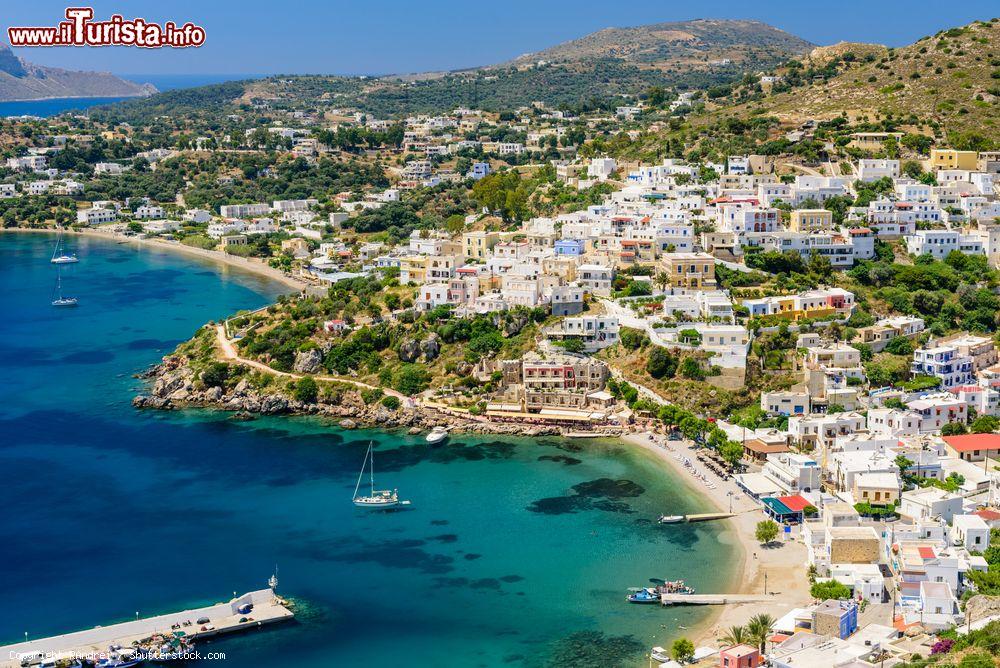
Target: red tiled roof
point(970, 442)
point(795, 503)
point(966, 388)
point(860, 230)
point(988, 514)
point(926, 552)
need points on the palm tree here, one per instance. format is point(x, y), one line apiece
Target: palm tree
point(759, 628)
point(662, 280)
point(736, 635)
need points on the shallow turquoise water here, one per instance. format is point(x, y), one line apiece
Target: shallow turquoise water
point(512, 545)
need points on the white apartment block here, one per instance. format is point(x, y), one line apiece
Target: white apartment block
point(243, 210)
point(96, 216)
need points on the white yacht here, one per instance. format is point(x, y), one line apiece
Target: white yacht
point(61, 258)
point(60, 300)
point(376, 499)
point(437, 435)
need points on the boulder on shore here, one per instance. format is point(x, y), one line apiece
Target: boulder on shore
point(308, 361)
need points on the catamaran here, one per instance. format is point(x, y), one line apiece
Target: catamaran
point(60, 300)
point(61, 258)
point(378, 499)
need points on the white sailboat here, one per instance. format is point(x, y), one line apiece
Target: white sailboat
point(60, 300)
point(376, 499)
point(61, 258)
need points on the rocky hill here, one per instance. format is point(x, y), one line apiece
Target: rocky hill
point(592, 70)
point(666, 46)
point(21, 80)
point(950, 80)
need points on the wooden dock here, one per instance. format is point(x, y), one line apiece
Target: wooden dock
point(712, 599)
point(222, 618)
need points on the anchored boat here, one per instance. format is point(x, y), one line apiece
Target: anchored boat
point(60, 300)
point(382, 499)
point(437, 435)
point(59, 257)
point(670, 519)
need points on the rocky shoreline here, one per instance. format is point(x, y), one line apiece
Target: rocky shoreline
point(173, 385)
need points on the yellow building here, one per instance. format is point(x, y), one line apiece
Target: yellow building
point(413, 269)
point(878, 489)
point(947, 158)
point(478, 244)
point(811, 220)
point(690, 270)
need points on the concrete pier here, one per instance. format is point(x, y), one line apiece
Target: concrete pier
point(222, 618)
point(711, 599)
point(705, 517)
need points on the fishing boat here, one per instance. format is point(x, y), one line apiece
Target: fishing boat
point(675, 587)
point(60, 300)
point(118, 657)
point(670, 519)
point(61, 258)
point(382, 499)
point(644, 595)
point(437, 435)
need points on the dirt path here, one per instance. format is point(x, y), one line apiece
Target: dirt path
point(230, 353)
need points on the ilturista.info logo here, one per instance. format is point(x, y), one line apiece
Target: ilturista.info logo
point(80, 29)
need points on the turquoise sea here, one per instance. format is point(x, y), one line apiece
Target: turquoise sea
point(516, 551)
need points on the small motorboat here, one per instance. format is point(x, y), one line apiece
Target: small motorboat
point(644, 595)
point(670, 519)
point(660, 655)
point(437, 435)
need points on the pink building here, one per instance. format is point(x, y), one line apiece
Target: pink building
point(739, 656)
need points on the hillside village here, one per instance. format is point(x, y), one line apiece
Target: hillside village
point(820, 332)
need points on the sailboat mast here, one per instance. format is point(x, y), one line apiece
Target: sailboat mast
point(362, 473)
point(373, 466)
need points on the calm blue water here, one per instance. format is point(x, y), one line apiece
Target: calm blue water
point(162, 82)
point(511, 548)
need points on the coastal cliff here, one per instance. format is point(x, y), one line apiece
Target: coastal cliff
point(175, 384)
point(21, 80)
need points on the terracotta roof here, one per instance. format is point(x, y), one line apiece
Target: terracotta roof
point(970, 442)
point(796, 503)
point(926, 552)
point(988, 514)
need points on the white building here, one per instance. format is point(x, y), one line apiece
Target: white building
point(96, 216)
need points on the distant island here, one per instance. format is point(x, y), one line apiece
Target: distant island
point(21, 80)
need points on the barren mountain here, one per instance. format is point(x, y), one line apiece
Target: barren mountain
point(21, 80)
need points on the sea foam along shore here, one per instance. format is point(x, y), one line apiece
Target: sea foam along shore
point(250, 265)
point(784, 566)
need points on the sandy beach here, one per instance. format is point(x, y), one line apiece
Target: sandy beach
point(783, 566)
point(251, 265)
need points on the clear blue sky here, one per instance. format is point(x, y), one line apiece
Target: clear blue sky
point(390, 36)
